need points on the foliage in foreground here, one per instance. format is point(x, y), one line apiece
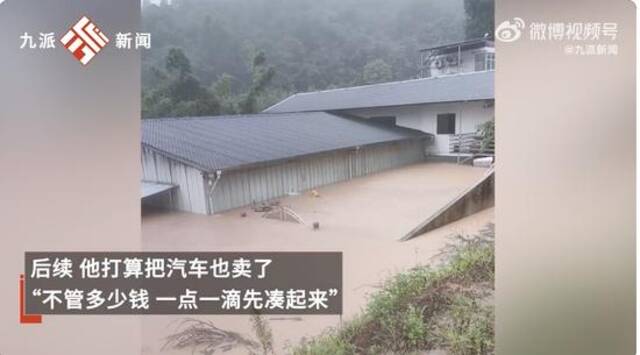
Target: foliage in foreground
point(487, 132)
point(205, 338)
point(448, 307)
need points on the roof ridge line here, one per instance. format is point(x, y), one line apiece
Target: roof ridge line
point(386, 83)
point(231, 116)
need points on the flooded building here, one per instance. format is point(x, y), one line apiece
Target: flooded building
point(211, 164)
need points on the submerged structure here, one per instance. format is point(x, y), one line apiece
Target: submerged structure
point(212, 164)
point(220, 163)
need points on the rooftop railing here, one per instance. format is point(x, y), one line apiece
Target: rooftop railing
point(470, 143)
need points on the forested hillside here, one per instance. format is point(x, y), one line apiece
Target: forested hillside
point(239, 56)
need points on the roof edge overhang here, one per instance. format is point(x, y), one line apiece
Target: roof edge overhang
point(335, 110)
point(175, 157)
point(210, 171)
point(444, 77)
point(302, 156)
point(482, 42)
point(165, 187)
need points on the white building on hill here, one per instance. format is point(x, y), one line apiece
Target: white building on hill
point(451, 102)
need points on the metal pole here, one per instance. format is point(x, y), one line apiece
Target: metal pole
point(212, 186)
point(459, 58)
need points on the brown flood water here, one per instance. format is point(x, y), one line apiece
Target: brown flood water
point(363, 218)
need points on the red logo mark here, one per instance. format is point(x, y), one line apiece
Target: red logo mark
point(84, 40)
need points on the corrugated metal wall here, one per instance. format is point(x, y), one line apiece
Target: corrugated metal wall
point(244, 187)
point(190, 195)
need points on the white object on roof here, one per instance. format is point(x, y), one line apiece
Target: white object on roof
point(148, 189)
point(485, 162)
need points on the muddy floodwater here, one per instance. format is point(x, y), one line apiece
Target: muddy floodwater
point(363, 218)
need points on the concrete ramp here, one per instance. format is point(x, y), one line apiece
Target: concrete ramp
point(476, 198)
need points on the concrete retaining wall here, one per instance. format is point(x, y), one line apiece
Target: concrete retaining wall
point(478, 197)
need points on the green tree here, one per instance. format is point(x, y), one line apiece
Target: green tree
point(177, 62)
point(479, 18)
point(312, 44)
point(487, 132)
point(178, 92)
point(377, 71)
point(262, 76)
point(223, 90)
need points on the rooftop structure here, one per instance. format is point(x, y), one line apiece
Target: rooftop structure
point(473, 86)
point(454, 58)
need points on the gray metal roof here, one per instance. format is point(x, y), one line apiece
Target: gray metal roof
point(148, 188)
point(227, 142)
point(452, 88)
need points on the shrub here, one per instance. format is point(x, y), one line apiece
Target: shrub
point(426, 308)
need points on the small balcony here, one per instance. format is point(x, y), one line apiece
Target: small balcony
point(471, 144)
